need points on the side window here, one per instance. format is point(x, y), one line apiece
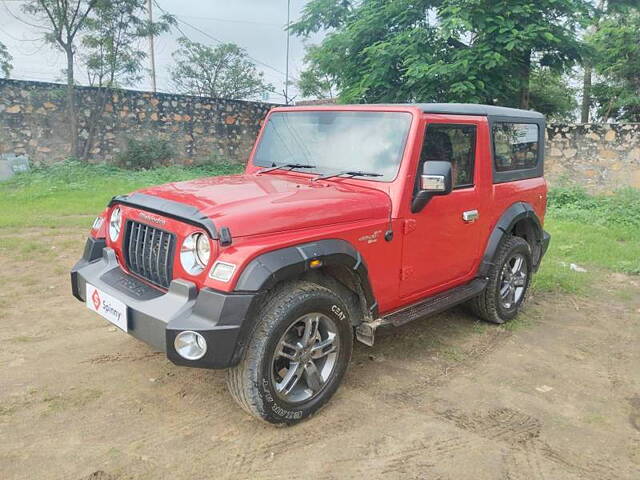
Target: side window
point(455, 144)
point(515, 146)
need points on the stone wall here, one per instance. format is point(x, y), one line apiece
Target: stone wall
point(33, 122)
point(601, 158)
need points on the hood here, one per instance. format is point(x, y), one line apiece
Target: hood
point(271, 203)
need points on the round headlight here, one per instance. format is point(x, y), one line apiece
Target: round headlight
point(195, 253)
point(203, 249)
point(115, 224)
point(190, 345)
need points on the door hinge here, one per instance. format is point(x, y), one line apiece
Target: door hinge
point(409, 226)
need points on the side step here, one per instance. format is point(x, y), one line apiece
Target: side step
point(436, 304)
point(365, 332)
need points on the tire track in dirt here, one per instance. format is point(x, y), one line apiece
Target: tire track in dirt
point(527, 453)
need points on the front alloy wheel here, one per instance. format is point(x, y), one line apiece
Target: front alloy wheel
point(296, 356)
point(305, 358)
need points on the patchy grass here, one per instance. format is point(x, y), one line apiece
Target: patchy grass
point(593, 232)
point(73, 193)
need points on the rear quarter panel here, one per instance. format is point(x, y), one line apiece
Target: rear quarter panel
point(532, 191)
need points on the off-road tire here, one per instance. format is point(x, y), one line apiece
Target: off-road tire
point(250, 382)
point(487, 305)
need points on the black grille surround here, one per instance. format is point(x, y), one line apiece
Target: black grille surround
point(149, 252)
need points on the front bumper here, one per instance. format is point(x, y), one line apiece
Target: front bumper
point(156, 317)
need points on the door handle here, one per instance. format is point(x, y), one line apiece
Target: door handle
point(470, 216)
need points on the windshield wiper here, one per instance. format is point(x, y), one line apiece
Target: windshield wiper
point(290, 166)
point(350, 173)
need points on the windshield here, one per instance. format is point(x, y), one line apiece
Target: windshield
point(335, 141)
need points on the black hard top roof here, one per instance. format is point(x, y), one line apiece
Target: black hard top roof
point(475, 109)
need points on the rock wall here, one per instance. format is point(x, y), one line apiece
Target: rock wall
point(600, 157)
point(33, 122)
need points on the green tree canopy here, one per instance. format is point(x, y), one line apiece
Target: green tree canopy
point(480, 51)
point(617, 62)
point(111, 50)
point(551, 94)
point(225, 71)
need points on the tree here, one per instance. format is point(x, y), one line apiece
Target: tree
point(602, 10)
point(111, 52)
point(64, 19)
point(224, 71)
point(617, 61)
point(551, 94)
point(5, 61)
point(480, 51)
point(313, 81)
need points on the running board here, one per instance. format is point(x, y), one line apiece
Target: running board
point(365, 332)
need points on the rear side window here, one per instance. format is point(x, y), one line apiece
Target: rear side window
point(516, 146)
point(455, 144)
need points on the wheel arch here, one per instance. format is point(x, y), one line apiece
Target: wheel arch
point(521, 220)
point(339, 260)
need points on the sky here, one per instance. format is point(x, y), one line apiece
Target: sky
point(255, 25)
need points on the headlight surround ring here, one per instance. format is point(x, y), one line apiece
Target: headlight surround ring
point(115, 224)
point(195, 253)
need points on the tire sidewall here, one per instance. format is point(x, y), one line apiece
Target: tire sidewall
point(277, 410)
point(507, 314)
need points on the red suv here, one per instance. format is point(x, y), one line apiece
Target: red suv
point(347, 218)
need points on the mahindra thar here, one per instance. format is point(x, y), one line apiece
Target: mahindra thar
point(346, 219)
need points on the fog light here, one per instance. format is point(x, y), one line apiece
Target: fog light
point(190, 345)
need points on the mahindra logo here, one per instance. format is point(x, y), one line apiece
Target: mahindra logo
point(152, 219)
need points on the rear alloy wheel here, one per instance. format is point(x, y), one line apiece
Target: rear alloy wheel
point(513, 279)
point(297, 354)
point(508, 282)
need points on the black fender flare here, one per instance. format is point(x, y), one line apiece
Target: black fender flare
point(270, 268)
point(515, 213)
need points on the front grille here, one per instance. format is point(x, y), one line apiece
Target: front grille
point(148, 252)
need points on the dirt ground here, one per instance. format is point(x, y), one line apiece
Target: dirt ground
point(554, 396)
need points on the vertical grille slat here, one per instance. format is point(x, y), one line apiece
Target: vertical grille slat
point(149, 253)
point(138, 252)
point(167, 251)
point(158, 254)
point(152, 248)
point(129, 245)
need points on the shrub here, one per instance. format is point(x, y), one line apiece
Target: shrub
point(145, 154)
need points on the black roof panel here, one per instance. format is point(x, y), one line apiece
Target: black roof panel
point(475, 109)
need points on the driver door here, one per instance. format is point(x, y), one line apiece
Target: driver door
point(441, 249)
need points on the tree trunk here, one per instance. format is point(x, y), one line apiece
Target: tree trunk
point(586, 94)
point(525, 77)
point(95, 120)
point(585, 108)
point(72, 112)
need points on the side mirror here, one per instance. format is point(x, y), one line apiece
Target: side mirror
point(435, 180)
